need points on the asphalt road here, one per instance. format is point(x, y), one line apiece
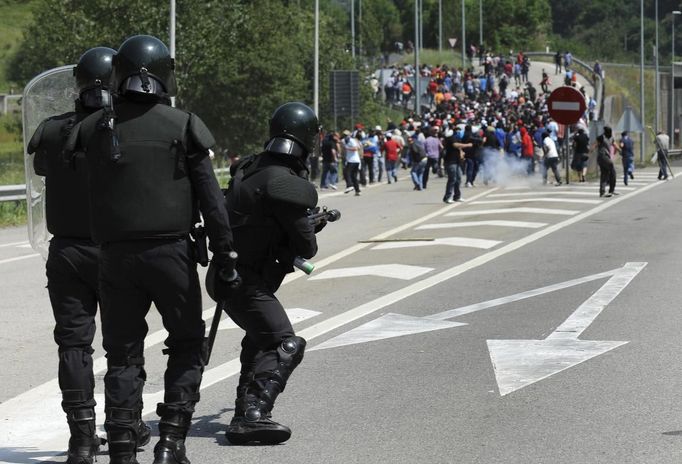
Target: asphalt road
point(551, 337)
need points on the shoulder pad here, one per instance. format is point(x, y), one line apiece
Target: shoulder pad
point(73, 143)
point(293, 190)
point(34, 143)
point(199, 133)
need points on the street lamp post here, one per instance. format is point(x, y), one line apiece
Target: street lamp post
point(172, 37)
point(642, 135)
point(463, 36)
point(656, 84)
point(440, 25)
point(352, 29)
point(417, 45)
point(672, 83)
point(316, 72)
point(480, 23)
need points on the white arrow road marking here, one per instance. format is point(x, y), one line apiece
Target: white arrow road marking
point(546, 200)
point(34, 420)
point(395, 325)
point(387, 326)
point(449, 225)
point(19, 258)
point(449, 241)
point(519, 363)
point(552, 211)
point(393, 271)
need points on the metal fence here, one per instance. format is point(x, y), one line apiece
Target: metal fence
point(18, 192)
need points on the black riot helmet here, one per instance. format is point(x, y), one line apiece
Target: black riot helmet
point(143, 65)
point(293, 122)
point(92, 74)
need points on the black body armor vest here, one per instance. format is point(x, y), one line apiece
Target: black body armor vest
point(66, 183)
point(146, 193)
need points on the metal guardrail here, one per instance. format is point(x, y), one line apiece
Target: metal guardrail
point(12, 193)
point(588, 74)
point(18, 192)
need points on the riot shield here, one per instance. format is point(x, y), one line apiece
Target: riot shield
point(48, 94)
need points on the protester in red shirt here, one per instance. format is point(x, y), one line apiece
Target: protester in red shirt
point(391, 148)
point(527, 150)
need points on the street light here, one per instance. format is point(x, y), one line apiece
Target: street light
point(672, 83)
point(316, 59)
point(480, 22)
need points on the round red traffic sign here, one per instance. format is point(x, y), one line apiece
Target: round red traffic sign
point(566, 105)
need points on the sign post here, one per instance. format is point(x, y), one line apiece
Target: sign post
point(566, 106)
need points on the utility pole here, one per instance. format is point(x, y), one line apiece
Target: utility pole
point(172, 37)
point(642, 114)
point(352, 29)
point(417, 45)
point(480, 22)
point(440, 25)
point(673, 111)
point(316, 77)
point(657, 89)
point(463, 36)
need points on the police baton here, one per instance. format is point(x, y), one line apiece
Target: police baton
point(219, 308)
point(230, 276)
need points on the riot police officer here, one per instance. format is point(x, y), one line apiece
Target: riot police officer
point(268, 199)
point(72, 259)
point(148, 165)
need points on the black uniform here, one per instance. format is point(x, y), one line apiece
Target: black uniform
point(71, 276)
point(143, 207)
point(606, 169)
point(268, 203)
point(72, 260)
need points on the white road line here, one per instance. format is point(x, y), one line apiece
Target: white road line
point(449, 241)
point(558, 212)
point(540, 194)
point(540, 200)
point(18, 258)
point(594, 188)
point(393, 271)
point(13, 244)
point(449, 225)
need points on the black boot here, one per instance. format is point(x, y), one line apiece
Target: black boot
point(122, 431)
point(144, 432)
point(173, 429)
point(84, 442)
point(252, 423)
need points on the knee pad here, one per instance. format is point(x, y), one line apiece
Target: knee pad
point(290, 353)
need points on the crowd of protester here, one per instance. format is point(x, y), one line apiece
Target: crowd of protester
point(481, 124)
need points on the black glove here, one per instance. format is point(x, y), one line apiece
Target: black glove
point(222, 277)
point(320, 224)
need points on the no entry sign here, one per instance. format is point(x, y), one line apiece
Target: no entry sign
point(566, 105)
